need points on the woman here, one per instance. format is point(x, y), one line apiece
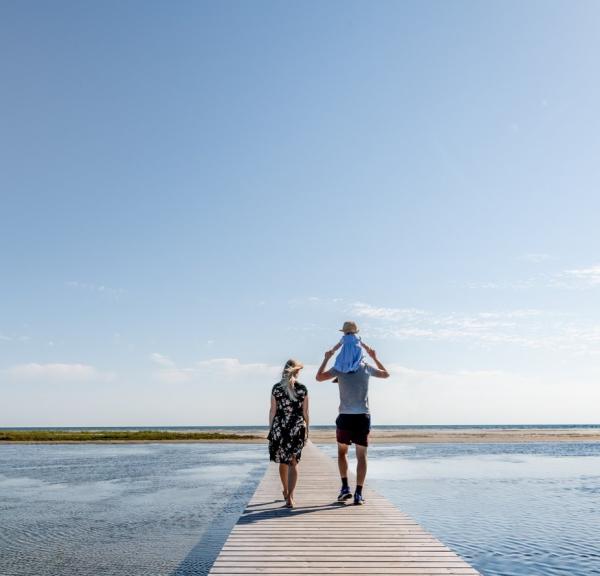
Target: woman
point(288, 421)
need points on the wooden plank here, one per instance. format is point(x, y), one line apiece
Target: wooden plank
point(323, 536)
point(366, 568)
point(376, 553)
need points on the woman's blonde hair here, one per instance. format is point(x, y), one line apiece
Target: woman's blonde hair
point(288, 377)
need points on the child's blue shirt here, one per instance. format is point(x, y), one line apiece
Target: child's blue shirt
point(350, 355)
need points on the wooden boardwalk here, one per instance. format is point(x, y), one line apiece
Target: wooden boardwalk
point(322, 536)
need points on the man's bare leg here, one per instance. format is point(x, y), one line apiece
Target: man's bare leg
point(343, 467)
point(343, 460)
point(361, 473)
point(361, 464)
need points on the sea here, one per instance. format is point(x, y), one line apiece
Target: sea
point(165, 509)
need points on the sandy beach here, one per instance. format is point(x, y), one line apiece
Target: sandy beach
point(416, 435)
point(412, 436)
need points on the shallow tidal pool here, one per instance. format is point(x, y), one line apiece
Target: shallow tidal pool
point(508, 509)
point(166, 509)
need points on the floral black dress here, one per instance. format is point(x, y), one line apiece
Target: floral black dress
point(286, 437)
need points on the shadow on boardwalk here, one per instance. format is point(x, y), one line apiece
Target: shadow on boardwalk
point(251, 516)
point(202, 556)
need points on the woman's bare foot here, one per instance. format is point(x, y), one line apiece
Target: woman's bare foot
point(290, 502)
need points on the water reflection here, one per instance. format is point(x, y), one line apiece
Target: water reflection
point(104, 510)
point(166, 509)
point(508, 509)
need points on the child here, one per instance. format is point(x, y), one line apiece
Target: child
point(351, 355)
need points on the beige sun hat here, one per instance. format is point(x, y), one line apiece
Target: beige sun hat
point(349, 328)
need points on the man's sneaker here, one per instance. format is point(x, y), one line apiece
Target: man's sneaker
point(344, 494)
point(358, 499)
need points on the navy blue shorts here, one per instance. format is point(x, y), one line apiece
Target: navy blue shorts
point(353, 428)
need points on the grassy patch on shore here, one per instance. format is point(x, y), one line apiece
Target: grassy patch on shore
point(114, 435)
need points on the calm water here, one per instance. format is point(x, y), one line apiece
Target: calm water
point(166, 509)
point(508, 509)
point(91, 510)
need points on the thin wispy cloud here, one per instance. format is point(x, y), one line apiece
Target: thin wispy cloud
point(11, 338)
point(529, 328)
point(100, 289)
point(589, 276)
point(230, 391)
point(162, 360)
point(519, 284)
point(213, 370)
point(314, 301)
point(535, 257)
point(570, 279)
point(380, 313)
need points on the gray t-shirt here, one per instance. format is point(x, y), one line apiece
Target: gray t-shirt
point(354, 389)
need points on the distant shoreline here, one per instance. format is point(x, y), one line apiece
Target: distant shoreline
point(119, 436)
point(319, 435)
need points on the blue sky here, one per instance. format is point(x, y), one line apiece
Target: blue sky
point(194, 192)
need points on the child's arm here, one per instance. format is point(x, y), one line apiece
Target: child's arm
point(337, 347)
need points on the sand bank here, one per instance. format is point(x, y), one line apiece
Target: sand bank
point(472, 435)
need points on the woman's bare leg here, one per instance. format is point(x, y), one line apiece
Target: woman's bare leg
point(292, 479)
point(283, 474)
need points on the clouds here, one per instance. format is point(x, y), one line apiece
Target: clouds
point(566, 334)
point(589, 276)
point(584, 278)
point(161, 360)
point(535, 257)
point(99, 289)
point(13, 338)
point(405, 323)
point(54, 372)
point(227, 391)
point(363, 310)
point(480, 397)
point(212, 370)
point(527, 328)
point(64, 394)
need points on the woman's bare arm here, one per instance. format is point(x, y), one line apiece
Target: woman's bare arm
point(305, 411)
point(272, 410)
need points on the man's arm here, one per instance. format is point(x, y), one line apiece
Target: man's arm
point(323, 374)
point(381, 372)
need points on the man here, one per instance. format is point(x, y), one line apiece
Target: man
point(354, 421)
